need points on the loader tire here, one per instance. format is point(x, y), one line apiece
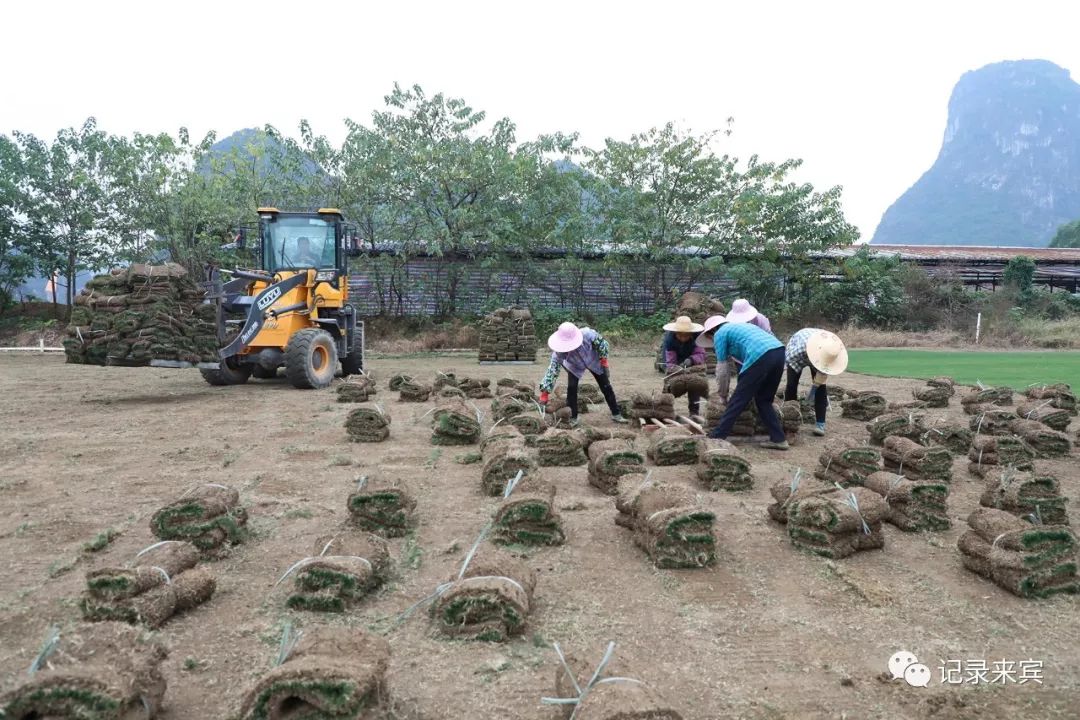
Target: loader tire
point(227, 373)
point(311, 359)
point(261, 373)
point(353, 363)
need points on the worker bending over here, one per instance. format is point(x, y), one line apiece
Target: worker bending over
point(761, 358)
point(824, 353)
point(577, 350)
point(682, 352)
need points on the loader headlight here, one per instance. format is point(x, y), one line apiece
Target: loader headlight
point(324, 276)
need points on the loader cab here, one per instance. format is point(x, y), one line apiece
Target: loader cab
point(302, 240)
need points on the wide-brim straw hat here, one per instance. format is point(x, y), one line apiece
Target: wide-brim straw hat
point(568, 337)
point(683, 324)
point(704, 339)
point(827, 353)
point(741, 311)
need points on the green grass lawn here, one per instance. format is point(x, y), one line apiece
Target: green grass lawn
point(1015, 369)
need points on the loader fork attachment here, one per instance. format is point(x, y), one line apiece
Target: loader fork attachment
point(257, 313)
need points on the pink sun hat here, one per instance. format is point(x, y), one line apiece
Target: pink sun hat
point(705, 338)
point(568, 337)
point(742, 311)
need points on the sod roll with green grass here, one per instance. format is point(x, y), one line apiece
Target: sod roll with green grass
point(490, 601)
point(208, 516)
point(332, 672)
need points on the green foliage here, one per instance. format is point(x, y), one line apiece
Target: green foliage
point(1019, 273)
point(868, 291)
point(427, 174)
point(1067, 236)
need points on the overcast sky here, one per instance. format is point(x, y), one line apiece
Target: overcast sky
point(857, 89)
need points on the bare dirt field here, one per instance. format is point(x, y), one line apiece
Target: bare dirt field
point(767, 633)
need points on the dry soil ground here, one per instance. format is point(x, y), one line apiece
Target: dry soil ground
point(767, 633)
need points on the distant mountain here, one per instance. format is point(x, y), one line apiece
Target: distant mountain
point(1008, 172)
point(254, 142)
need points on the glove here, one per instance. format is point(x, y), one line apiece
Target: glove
point(687, 362)
point(544, 398)
point(604, 363)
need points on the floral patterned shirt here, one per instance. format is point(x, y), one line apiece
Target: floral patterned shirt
point(586, 356)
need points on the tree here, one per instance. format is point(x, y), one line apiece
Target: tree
point(1067, 236)
point(70, 203)
point(15, 263)
point(1019, 273)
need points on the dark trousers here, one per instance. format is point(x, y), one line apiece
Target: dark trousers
point(757, 383)
point(821, 397)
point(605, 388)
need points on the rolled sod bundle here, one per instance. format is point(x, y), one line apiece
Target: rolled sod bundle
point(475, 388)
point(341, 570)
point(944, 382)
point(917, 505)
point(714, 410)
point(609, 460)
point(508, 335)
point(366, 424)
point(332, 672)
point(589, 394)
point(557, 406)
point(616, 693)
point(988, 396)
point(504, 407)
point(560, 448)
point(383, 509)
point(396, 381)
point(1044, 412)
point(1026, 494)
point(156, 605)
point(491, 600)
point(688, 380)
point(989, 453)
point(100, 671)
point(508, 387)
point(1060, 396)
point(528, 424)
point(988, 420)
point(156, 566)
point(846, 462)
point(894, 407)
point(721, 468)
point(412, 391)
point(750, 426)
point(935, 396)
point(208, 517)
point(837, 524)
point(589, 435)
point(445, 378)
point(952, 436)
point(864, 406)
point(669, 523)
point(675, 446)
point(133, 315)
point(909, 425)
point(1045, 442)
point(501, 463)
point(449, 391)
point(1031, 561)
point(916, 462)
point(660, 406)
point(697, 306)
point(454, 423)
point(785, 492)
point(359, 389)
point(528, 516)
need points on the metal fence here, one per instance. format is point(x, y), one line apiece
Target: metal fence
point(431, 286)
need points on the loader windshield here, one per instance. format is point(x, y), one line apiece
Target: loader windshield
point(298, 242)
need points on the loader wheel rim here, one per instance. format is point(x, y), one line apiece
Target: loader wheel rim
point(319, 358)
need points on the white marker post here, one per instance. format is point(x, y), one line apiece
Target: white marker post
point(978, 327)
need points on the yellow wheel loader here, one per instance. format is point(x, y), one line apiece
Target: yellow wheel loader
point(293, 311)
